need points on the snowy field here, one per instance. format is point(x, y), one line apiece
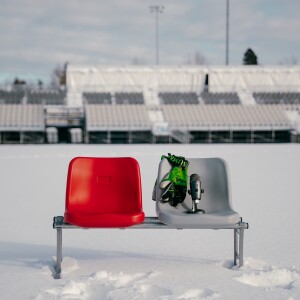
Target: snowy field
point(150, 264)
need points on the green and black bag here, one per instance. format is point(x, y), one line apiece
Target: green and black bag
point(174, 184)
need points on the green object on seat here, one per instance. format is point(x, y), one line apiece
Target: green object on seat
point(174, 184)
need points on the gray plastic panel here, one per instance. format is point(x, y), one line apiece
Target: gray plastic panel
point(216, 200)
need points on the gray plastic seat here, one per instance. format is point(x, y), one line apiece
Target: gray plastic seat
point(216, 199)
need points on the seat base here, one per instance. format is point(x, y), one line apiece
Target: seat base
point(100, 220)
point(179, 219)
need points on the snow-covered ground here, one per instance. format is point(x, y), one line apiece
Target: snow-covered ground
point(150, 264)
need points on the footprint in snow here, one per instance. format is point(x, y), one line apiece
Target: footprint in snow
point(199, 294)
point(262, 275)
point(106, 285)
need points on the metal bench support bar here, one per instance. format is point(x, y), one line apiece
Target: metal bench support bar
point(149, 223)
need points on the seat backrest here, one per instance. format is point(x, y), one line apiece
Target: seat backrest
point(104, 185)
point(214, 178)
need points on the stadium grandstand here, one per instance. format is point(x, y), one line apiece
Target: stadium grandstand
point(21, 123)
point(144, 104)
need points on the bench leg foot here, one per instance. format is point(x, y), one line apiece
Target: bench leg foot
point(58, 254)
point(238, 247)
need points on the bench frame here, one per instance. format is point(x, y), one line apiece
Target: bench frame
point(151, 223)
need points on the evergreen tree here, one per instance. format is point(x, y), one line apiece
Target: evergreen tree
point(250, 58)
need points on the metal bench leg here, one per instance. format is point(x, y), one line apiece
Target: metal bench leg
point(58, 253)
point(235, 248)
point(239, 247)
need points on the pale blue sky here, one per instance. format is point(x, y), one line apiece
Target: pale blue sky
point(37, 35)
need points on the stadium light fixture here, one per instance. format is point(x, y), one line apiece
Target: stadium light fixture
point(227, 33)
point(157, 9)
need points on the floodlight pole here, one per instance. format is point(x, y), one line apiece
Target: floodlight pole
point(157, 9)
point(227, 32)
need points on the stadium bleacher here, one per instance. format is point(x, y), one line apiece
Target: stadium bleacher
point(178, 98)
point(46, 97)
point(220, 98)
point(21, 123)
point(11, 97)
point(141, 104)
point(97, 98)
point(123, 117)
point(24, 117)
point(225, 117)
point(129, 98)
point(277, 97)
point(126, 123)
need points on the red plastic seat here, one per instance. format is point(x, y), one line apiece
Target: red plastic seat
point(104, 192)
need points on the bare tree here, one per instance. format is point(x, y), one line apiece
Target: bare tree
point(198, 59)
point(19, 82)
point(59, 76)
point(290, 61)
point(137, 61)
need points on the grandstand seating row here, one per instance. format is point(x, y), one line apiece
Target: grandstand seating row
point(97, 98)
point(13, 97)
point(165, 98)
point(51, 97)
point(107, 98)
point(133, 123)
point(191, 98)
point(277, 97)
point(122, 116)
point(16, 116)
point(178, 98)
point(220, 98)
point(56, 97)
point(226, 116)
point(129, 98)
point(46, 97)
point(137, 116)
point(99, 116)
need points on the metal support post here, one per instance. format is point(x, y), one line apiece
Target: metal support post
point(209, 137)
point(235, 247)
point(21, 137)
point(227, 32)
point(130, 137)
point(252, 137)
point(108, 137)
point(238, 247)
point(241, 247)
point(86, 137)
point(58, 253)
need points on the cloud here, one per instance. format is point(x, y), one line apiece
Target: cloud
point(37, 35)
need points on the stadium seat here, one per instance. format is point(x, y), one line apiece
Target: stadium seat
point(104, 192)
point(215, 201)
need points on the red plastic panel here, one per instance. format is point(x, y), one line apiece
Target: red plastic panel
point(104, 192)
